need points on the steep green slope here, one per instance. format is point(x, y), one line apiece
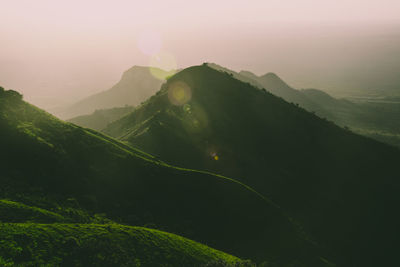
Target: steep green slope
point(136, 85)
point(380, 121)
point(30, 244)
point(45, 162)
point(99, 119)
point(342, 187)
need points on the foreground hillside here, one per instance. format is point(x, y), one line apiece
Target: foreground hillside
point(69, 236)
point(32, 244)
point(51, 165)
point(342, 187)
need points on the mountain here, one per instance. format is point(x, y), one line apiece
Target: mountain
point(275, 85)
point(341, 187)
point(52, 167)
point(136, 85)
point(378, 120)
point(99, 119)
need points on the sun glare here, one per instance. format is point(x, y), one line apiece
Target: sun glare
point(161, 62)
point(179, 93)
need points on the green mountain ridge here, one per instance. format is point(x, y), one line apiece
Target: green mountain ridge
point(333, 182)
point(45, 162)
point(380, 121)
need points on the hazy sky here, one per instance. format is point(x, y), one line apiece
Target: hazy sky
point(53, 49)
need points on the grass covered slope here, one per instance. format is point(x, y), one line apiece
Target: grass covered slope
point(28, 244)
point(46, 161)
point(12, 211)
point(28, 239)
point(342, 187)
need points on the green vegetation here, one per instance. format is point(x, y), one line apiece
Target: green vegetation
point(87, 177)
point(29, 244)
point(11, 211)
point(339, 186)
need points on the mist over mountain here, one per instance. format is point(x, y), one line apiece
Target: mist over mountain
point(338, 185)
point(136, 85)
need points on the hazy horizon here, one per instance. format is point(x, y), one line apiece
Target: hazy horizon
point(58, 52)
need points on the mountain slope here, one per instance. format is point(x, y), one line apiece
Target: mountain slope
point(342, 187)
point(380, 121)
point(45, 162)
point(275, 85)
point(136, 85)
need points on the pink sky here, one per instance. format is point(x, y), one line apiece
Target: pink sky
point(52, 48)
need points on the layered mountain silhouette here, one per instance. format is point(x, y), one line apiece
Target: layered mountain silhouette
point(342, 187)
point(275, 85)
point(136, 85)
point(53, 171)
point(381, 122)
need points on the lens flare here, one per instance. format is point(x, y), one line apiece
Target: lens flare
point(161, 62)
point(214, 155)
point(195, 119)
point(179, 93)
point(187, 108)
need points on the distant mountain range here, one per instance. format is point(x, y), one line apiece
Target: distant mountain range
point(336, 184)
point(379, 120)
point(136, 85)
point(52, 171)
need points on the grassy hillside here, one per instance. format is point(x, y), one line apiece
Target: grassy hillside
point(12, 211)
point(340, 186)
point(47, 163)
point(32, 244)
point(136, 85)
point(32, 236)
point(99, 119)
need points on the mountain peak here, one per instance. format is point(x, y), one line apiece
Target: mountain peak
point(248, 74)
point(274, 81)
